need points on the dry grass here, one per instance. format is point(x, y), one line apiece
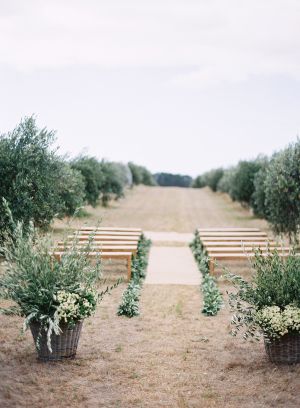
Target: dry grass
point(170, 356)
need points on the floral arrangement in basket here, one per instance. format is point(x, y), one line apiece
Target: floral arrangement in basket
point(269, 305)
point(54, 296)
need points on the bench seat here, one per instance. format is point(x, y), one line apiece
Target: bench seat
point(104, 255)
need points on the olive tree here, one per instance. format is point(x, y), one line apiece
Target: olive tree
point(29, 174)
point(282, 189)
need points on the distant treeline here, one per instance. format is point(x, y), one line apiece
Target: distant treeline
point(172, 180)
point(270, 186)
point(38, 184)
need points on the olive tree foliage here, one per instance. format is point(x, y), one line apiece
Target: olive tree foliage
point(93, 177)
point(141, 175)
point(71, 189)
point(30, 174)
point(226, 181)
point(282, 189)
point(260, 209)
point(212, 178)
point(242, 187)
point(198, 182)
point(114, 181)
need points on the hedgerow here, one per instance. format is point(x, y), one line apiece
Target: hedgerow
point(271, 187)
point(212, 298)
point(130, 299)
point(40, 185)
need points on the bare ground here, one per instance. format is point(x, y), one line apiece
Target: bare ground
point(170, 356)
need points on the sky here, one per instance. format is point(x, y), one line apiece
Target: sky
point(180, 86)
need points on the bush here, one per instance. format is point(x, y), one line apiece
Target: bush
point(130, 299)
point(212, 298)
point(198, 182)
point(242, 187)
point(43, 289)
point(275, 286)
point(282, 189)
point(259, 206)
point(91, 171)
point(72, 190)
point(140, 175)
point(172, 180)
point(30, 174)
point(226, 181)
point(211, 178)
point(114, 182)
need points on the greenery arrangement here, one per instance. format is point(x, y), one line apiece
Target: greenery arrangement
point(44, 290)
point(269, 305)
point(130, 299)
point(212, 298)
point(270, 186)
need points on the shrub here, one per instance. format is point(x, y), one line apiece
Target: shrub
point(282, 189)
point(140, 175)
point(93, 176)
point(242, 187)
point(226, 181)
point(114, 181)
point(30, 174)
point(72, 189)
point(259, 206)
point(172, 180)
point(212, 298)
point(212, 177)
point(43, 289)
point(269, 296)
point(198, 182)
point(130, 299)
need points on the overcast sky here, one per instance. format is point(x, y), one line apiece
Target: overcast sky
point(176, 85)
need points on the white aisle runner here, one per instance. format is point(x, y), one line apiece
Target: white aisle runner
point(172, 265)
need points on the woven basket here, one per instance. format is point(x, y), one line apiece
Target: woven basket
point(63, 346)
point(285, 350)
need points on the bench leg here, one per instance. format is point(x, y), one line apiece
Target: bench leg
point(211, 266)
point(129, 268)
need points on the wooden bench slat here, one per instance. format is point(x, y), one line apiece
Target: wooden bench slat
point(239, 243)
point(104, 249)
point(238, 250)
point(229, 230)
point(139, 230)
point(112, 233)
point(240, 239)
point(103, 238)
point(233, 234)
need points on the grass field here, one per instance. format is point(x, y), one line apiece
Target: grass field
point(171, 355)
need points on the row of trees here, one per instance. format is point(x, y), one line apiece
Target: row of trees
point(38, 184)
point(270, 186)
point(173, 180)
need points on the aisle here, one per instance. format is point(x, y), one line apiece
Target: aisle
point(170, 264)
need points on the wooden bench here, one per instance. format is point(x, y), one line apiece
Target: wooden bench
point(233, 244)
point(233, 257)
point(105, 255)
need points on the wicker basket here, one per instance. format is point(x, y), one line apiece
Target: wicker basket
point(63, 346)
point(285, 350)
